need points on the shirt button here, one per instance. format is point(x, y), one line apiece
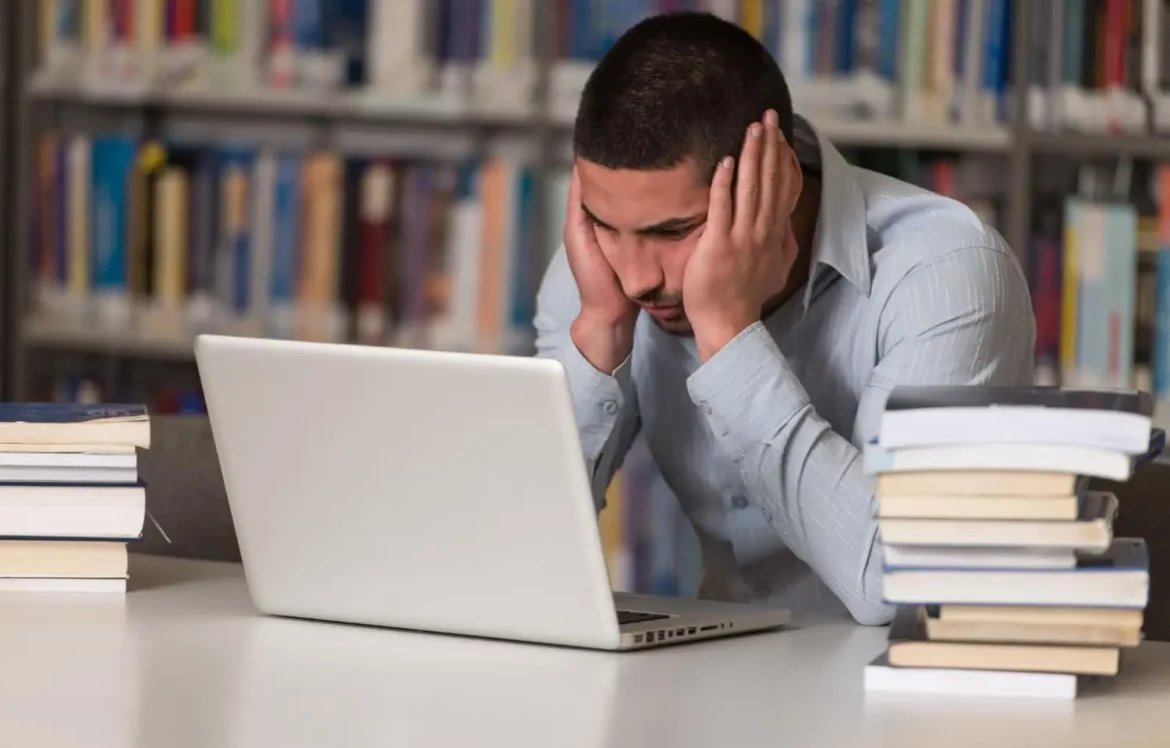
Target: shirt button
point(767, 514)
point(739, 502)
point(609, 406)
point(762, 588)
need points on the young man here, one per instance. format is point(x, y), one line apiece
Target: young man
point(734, 290)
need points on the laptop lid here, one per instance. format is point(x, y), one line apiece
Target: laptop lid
point(416, 489)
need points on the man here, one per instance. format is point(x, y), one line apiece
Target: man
point(736, 292)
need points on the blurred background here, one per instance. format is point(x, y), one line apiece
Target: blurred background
point(394, 172)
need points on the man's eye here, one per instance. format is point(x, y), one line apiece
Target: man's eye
point(675, 236)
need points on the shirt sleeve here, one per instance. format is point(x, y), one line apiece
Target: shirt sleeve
point(604, 404)
point(963, 319)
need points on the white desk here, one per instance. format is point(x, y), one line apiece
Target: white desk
point(184, 661)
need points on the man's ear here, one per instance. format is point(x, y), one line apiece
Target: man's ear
point(791, 180)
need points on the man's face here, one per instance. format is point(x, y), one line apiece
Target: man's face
point(648, 223)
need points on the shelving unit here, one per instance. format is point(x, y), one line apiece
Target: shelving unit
point(440, 128)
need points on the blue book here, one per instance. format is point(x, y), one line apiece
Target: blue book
point(1116, 578)
point(112, 164)
point(74, 423)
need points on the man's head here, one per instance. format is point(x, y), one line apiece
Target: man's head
point(674, 94)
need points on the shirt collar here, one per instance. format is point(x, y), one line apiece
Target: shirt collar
point(840, 241)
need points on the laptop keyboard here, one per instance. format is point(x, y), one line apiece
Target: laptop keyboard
point(630, 616)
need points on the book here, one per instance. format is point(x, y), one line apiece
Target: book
point(950, 557)
point(1042, 615)
point(68, 467)
point(62, 423)
point(1118, 578)
point(1051, 458)
point(1091, 531)
point(69, 511)
point(931, 416)
point(910, 647)
point(89, 559)
point(978, 507)
point(976, 482)
point(1009, 632)
point(881, 676)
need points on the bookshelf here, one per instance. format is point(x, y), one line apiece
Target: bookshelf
point(452, 102)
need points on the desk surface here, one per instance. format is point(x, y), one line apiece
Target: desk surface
point(184, 661)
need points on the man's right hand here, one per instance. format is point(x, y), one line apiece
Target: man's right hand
point(604, 329)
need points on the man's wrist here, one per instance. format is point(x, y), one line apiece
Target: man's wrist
point(712, 335)
point(604, 342)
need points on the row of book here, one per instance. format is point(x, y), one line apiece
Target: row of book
point(70, 496)
point(1099, 65)
point(999, 557)
point(875, 58)
point(166, 240)
point(1100, 275)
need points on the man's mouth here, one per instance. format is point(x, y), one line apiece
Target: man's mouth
point(663, 311)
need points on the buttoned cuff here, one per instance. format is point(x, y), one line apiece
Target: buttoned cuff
point(598, 398)
point(747, 390)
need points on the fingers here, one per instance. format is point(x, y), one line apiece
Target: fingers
point(719, 209)
point(578, 228)
point(769, 176)
point(574, 207)
point(747, 192)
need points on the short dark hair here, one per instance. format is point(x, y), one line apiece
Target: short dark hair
point(678, 85)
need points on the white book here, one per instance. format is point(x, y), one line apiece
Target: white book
point(1099, 463)
point(399, 63)
point(949, 557)
point(880, 676)
point(1115, 420)
point(61, 584)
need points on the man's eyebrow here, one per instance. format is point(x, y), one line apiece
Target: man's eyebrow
point(671, 224)
point(662, 227)
point(595, 219)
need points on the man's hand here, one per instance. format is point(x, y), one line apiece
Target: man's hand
point(604, 328)
point(741, 261)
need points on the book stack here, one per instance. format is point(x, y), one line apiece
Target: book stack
point(1001, 561)
point(70, 498)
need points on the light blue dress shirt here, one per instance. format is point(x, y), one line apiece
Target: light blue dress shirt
point(762, 443)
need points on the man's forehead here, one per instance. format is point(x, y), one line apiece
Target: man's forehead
point(631, 199)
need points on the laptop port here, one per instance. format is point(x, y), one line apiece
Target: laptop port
point(709, 628)
point(691, 631)
point(638, 638)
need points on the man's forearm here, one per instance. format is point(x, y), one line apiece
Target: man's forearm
point(808, 479)
point(604, 343)
point(606, 415)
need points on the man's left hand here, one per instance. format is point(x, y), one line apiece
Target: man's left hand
point(744, 259)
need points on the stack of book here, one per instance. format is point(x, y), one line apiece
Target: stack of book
point(1001, 562)
point(70, 498)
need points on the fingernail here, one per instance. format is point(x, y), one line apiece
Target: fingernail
point(726, 162)
point(754, 130)
point(772, 118)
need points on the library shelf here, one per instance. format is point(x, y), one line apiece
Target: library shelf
point(1090, 145)
point(54, 335)
point(355, 105)
point(918, 135)
point(890, 133)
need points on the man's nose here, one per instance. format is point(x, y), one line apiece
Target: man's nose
point(641, 273)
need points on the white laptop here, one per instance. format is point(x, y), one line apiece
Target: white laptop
point(429, 491)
